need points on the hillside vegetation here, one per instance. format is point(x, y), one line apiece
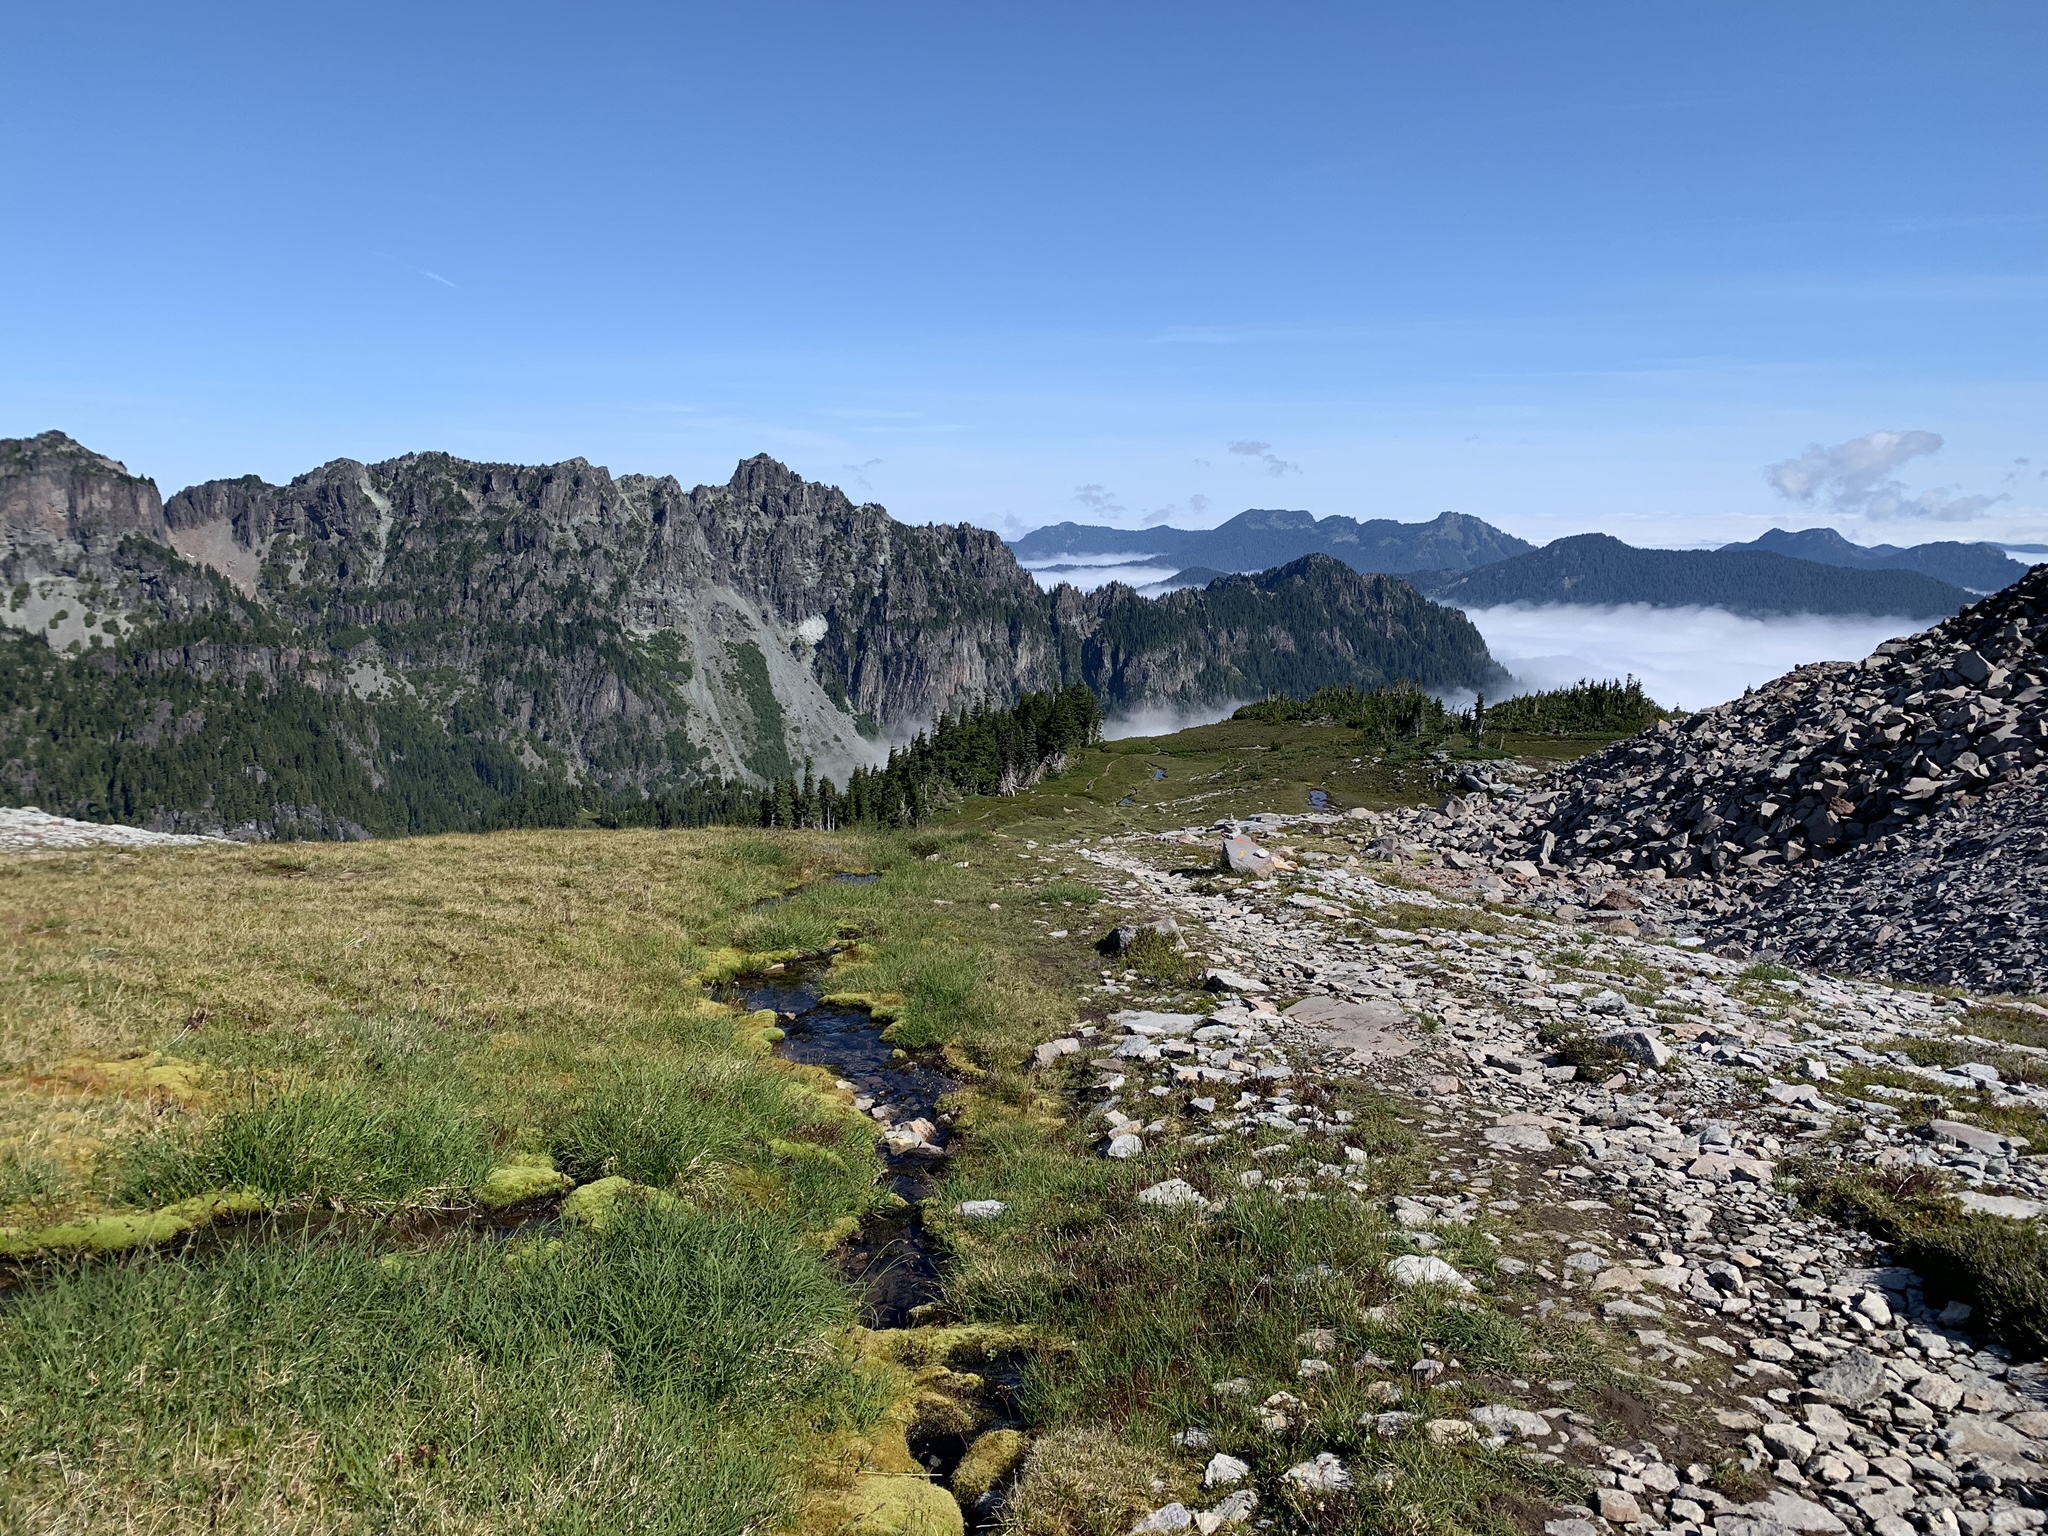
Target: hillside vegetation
point(1599, 569)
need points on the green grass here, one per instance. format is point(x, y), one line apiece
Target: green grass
point(280, 1382)
point(332, 1143)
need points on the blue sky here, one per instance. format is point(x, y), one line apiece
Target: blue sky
point(1563, 266)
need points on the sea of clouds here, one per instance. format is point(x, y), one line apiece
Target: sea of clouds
point(1689, 658)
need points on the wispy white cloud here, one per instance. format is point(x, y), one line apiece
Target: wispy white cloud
point(1098, 499)
point(1857, 479)
point(1263, 452)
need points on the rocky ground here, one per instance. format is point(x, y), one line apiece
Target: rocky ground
point(25, 829)
point(1647, 1202)
point(1857, 815)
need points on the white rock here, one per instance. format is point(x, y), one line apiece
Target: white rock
point(1171, 1194)
point(1124, 1144)
point(980, 1210)
point(1232, 1509)
point(1224, 1470)
point(1168, 1517)
point(1325, 1474)
point(1517, 1138)
point(1502, 1419)
point(1426, 1269)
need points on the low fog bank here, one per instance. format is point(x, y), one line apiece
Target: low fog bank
point(1163, 720)
point(1088, 572)
point(1686, 657)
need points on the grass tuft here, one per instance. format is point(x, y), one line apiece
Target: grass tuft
point(323, 1143)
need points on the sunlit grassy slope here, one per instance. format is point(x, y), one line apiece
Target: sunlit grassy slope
point(354, 1060)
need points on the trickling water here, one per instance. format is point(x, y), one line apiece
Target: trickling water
point(890, 1260)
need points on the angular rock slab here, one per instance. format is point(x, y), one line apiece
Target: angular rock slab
point(1371, 1031)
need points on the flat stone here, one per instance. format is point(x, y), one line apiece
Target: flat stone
point(1520, 1423)
point(1516, 1138)
point(1977, 1434)
point(1410, 1269)
point(1777, 1351)
point(1371, 1030)
point(1124, 1144)
point(1050, 1052)
point(1857, 1378)
point(1450, 1431)
point(1972, 1136)
point(1792, 1512)
point(2012, 1207)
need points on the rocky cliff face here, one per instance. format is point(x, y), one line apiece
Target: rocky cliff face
point(626, 631)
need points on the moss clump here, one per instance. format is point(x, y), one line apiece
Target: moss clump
point(596, 1204)
point(988, 1464)
point(524, 1176)
point(889, 1504)
point(119, 1231)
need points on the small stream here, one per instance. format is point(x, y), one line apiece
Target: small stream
point(890, 1260)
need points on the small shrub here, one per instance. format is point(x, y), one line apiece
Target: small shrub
point(1159, 958)
point(1999, 1267)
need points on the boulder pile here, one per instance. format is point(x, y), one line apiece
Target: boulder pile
point(1823, 759)
point(1960, 899)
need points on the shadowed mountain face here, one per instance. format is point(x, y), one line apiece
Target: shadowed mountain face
point(1595, 568)
point(1262, 538)
point(1975, 567)
point(402, 646)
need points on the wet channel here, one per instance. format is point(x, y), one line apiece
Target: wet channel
point(890, 1261)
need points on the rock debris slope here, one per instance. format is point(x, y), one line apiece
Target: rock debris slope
point(1646, 1202)
point(1862, 815)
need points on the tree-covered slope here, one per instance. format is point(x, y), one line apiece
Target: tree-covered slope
point(1975, 567)
point(1263, 537)
point(1595, 568)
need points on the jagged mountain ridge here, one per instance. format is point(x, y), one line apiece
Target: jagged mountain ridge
point(557, 620)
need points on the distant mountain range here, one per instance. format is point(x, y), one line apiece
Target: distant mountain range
point(427, 643)
point(1975, 567)
point(1595, 568)
point(1463, 560)
point(1263, 537)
